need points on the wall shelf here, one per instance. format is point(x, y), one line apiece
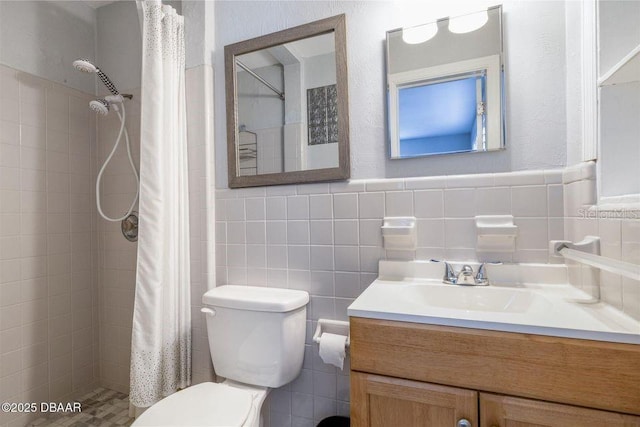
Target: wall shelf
point(625, 71)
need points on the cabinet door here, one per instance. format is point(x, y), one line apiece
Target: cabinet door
point(378, 401)
point(505, 411)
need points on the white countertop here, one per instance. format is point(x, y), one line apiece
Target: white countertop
point(542, 309)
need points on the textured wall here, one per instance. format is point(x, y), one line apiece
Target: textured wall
point(44, 38)
point(119, 44)
point(199, 33)
point(535, 61)
point(573, 79)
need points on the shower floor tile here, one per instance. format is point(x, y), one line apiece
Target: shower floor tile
point(100, 408)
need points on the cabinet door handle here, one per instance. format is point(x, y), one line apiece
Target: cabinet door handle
point(463, 422)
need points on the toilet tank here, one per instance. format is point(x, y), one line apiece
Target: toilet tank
point(256, 335)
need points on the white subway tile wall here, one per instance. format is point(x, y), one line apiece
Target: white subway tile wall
point(326, 239)
point(48, 251)
point(67, 277)
point(619, 231)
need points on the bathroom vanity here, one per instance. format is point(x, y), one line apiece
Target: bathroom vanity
point(494, 358)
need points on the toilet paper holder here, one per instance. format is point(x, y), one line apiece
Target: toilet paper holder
point(337, 327)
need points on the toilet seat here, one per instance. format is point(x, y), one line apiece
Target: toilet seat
point(206, 404)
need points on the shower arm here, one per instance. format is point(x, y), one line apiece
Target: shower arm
point(260, 79)
point(118, 98)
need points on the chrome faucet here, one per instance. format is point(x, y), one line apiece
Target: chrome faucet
point(465, 276)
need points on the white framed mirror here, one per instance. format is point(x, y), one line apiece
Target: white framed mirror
point(445, 83)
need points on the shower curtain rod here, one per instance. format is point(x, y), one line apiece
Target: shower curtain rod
point(260, 79)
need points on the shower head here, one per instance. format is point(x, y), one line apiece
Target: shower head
point(87, 66)
point(100, 106)
point(84, 65)
point(110, 102)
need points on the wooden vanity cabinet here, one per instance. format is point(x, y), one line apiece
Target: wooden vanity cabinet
point(380, 401)
point(507, 411)
point(405, 374)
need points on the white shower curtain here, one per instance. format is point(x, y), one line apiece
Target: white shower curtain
point(161, 338)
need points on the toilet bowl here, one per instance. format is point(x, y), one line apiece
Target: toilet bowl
point(256, 339)
point(207, 404)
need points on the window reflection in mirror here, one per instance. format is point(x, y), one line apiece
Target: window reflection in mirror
point(445, 86)
point(443, 116)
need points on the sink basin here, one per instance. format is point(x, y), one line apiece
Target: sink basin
point(523, 298)
point(466, 298)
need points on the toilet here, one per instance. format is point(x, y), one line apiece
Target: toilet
point(256, 339)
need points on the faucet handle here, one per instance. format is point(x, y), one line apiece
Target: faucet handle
point(481, 275)
point(449, 275)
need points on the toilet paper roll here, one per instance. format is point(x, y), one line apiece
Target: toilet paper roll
point(332, 349)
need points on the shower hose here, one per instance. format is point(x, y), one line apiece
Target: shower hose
point(123, 130)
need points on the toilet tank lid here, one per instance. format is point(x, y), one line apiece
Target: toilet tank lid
point(255, 298)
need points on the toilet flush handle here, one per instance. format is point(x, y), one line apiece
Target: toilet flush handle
point(208, 311)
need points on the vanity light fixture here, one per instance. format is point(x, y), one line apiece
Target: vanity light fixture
point(467, 23)
point(419, 33)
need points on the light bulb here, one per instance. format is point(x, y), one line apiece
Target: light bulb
point(467, 23)
point(420, 33)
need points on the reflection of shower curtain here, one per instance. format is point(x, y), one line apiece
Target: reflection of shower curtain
point(161, 339)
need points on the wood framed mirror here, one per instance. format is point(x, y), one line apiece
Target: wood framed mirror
point(287, 106)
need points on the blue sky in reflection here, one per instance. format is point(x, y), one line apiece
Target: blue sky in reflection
point(439, 109)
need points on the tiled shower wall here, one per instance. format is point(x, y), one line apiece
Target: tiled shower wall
point(48, 293)
point(326, 239)
point(117, 256)
point(619, 232)
point(67, 277)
